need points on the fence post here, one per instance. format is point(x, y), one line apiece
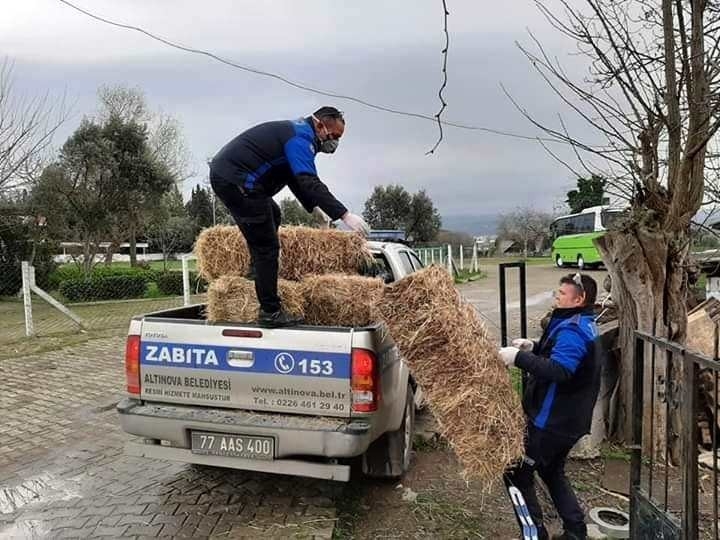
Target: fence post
point(689, 450)
point(432, 255)
point(462, 260)
point(449, 259)
point(27, 299)
point(186, 280)
point(475, 258)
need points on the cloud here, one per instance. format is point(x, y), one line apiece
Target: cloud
point(384, 52)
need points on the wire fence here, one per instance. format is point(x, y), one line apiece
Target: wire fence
point(459, 258)
point(103, 301)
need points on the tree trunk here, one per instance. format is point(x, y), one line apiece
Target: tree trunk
point(111, 250)
point(133, 245)
point(647, 277)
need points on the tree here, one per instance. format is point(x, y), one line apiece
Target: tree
point(589, 193)
point(454, 238)
point(392, 207)
point(652, 100)
point(23, 237)
point(140, 179)
point(200, 208)
point(294, 214)
point(388, 207)
point(527, 226)
point(166, 142)
point(169, 227)
point(27, 126)
point(424, 220)
point(77, 193)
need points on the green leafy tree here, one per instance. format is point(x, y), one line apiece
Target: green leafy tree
point(589, 193)
point(388, 207)
point(77, 193)
point(424, 222)
point(392, 207)
point(200, 208)
point(294, 214)
point(140, 180)
point(169, 228)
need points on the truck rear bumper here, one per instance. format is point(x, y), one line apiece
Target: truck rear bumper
point(294, 467)
point(296, 437)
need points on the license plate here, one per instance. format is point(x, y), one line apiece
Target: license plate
point(227, 445)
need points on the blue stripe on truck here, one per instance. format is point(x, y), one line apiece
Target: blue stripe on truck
point(299, 363)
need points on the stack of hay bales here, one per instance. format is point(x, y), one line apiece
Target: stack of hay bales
point(316, 276)
point(457, 365)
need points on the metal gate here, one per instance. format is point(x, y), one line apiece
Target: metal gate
point(664, 500)
point(503, 300)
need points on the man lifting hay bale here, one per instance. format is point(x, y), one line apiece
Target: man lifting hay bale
point(563, 382)
point(256, 165)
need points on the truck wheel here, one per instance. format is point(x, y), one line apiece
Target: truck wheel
point(559, 261)
point(389, 456)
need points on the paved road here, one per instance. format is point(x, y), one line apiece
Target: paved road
point(541, 282)
point(63, 473)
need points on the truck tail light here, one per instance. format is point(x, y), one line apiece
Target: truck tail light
point(365, 381)
point(132, 364)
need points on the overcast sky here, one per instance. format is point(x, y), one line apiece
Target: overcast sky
point(385, 52)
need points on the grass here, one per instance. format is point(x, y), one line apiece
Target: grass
point(172, 265)
point(465, 276)
point(422, 444)
point(433, 507)
point(614, 452)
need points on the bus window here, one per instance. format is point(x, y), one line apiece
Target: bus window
point(611, 217)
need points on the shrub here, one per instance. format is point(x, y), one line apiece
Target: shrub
point(104, 288)
point(171, 283)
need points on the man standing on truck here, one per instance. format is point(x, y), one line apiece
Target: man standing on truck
point(561, 387)
point(257, 164)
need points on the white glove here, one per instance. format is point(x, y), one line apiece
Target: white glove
point(356, 223)
point(508, 355)
point(523, 344)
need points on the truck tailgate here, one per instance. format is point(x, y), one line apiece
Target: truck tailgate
point(300, 370)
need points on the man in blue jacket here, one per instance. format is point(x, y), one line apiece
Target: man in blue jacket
point(257, 164)
point(561, 387)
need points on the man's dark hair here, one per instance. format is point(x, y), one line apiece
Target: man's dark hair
point(330, 113)
point(583, 284)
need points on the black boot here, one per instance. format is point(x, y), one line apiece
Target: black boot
point(278, 319)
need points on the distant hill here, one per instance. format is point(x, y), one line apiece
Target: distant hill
point(474, 224)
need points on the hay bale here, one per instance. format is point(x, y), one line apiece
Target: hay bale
point(304, 251)
point(341, 300)
point(231, 298)
point(221, 250)
point(458, 367)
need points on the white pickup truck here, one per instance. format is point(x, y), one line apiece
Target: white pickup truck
point(307, 401)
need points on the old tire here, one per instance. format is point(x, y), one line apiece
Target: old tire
point(389, 456)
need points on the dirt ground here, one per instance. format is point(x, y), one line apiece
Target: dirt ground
point(446, 506)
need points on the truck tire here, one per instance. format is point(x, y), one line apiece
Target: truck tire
point(389, 456)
